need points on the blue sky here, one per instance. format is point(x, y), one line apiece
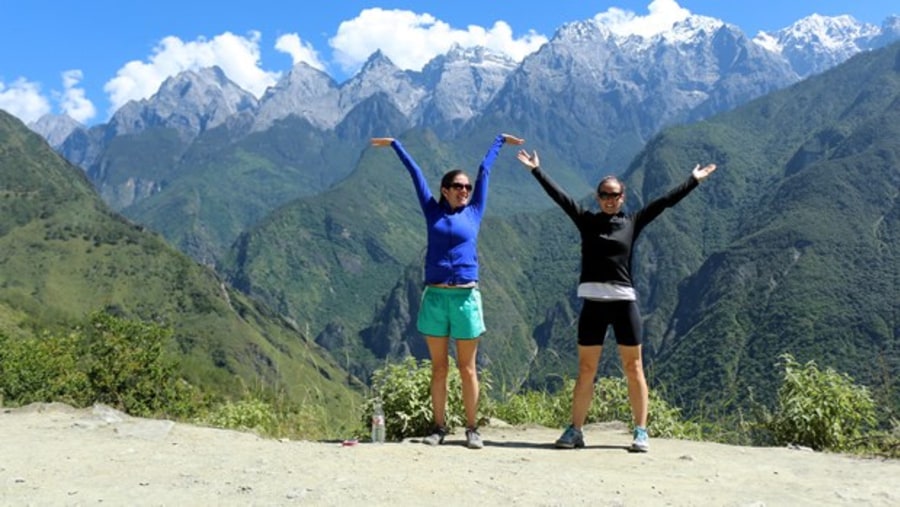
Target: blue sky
point(88, 58)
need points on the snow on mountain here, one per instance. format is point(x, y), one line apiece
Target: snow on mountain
point(190, 102)
point(380, 75)
point(462, 82)
point(305, 92)
point(816, 43)
point(696, 67)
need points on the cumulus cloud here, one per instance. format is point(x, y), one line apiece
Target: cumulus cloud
point(411, 40)
point(73, 101)
point(300, 51)
point(662, 15)
point(23, 99)
point(237, 56)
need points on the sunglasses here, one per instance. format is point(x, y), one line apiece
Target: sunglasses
point(610, 195)
point(460, 186)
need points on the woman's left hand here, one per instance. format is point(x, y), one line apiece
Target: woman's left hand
point(701, 174)
point(529, 160)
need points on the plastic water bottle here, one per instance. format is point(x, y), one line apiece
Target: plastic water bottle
point(378, 429)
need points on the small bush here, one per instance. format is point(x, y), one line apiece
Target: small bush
point(126, 366)
point(820, 409)
point(43, 368)
point(404, 390)
point(610, 403)
point(268, 413)
point(109, 360)
point(536, 407)
point(251, 414)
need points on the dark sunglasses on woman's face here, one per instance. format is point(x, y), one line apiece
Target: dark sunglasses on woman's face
point(610, 195)
point(460, 186)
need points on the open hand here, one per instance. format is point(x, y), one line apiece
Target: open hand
point(382, 141)
point(531, 161)
point(512, 139)
point(701, 174)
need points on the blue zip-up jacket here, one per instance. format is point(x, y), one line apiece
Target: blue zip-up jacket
point(451, 257)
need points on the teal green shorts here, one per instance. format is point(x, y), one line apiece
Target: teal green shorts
point(449, 312)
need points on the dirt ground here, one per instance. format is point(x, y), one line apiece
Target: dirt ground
point(52, 454)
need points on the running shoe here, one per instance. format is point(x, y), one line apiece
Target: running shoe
point(473, 439)
point(641, 441)
point(572, 438)
point(436, 437)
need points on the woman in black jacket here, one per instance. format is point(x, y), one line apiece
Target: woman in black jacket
point(605, 285)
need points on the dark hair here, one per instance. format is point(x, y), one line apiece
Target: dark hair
point(448, 178)
point(613, 179)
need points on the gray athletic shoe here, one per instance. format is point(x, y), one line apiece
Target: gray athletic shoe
point(436, 437)
point(571, 439)
point(473, 439)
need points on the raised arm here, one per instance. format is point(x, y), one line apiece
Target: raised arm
point(479, 194)
point(422, 191)
point(657, 206)
point(532, 162)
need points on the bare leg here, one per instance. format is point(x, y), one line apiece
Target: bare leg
point(583, 394)
point(638, 394)
point(466, 351)
point(438, 349)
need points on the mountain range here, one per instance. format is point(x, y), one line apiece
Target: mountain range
point(599, 97)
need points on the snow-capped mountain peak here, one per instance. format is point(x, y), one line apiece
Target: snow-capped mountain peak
point(691, 29)
point(306, 92)
point(816, 43)
point(190, 102)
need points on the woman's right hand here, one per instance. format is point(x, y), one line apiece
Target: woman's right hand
point(382, 141)
point(511, 139)
point(531, 161)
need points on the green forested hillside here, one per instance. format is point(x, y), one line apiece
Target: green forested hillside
point(811, 265)
point(220, 187)
point(64, 254)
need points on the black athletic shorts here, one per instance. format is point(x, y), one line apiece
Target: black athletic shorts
point(597, 316)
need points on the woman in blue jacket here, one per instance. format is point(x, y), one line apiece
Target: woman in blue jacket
point(605, 285)
point(451, 302)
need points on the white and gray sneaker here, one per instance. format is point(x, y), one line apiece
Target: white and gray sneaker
point(436, 437)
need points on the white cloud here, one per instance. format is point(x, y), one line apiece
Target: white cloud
point(23, 99)
point(411, 40)
point(300, 51)
point(238, 57)
point(72, 101)
point(662, 15)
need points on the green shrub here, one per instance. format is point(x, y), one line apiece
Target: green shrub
point(250, 414)
point(109, 360)
point(43, 368)
point(610, 403)
point(820, 409)
point(268, 413)
point(536, 407)
point(404, 390)
point(126, 366)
